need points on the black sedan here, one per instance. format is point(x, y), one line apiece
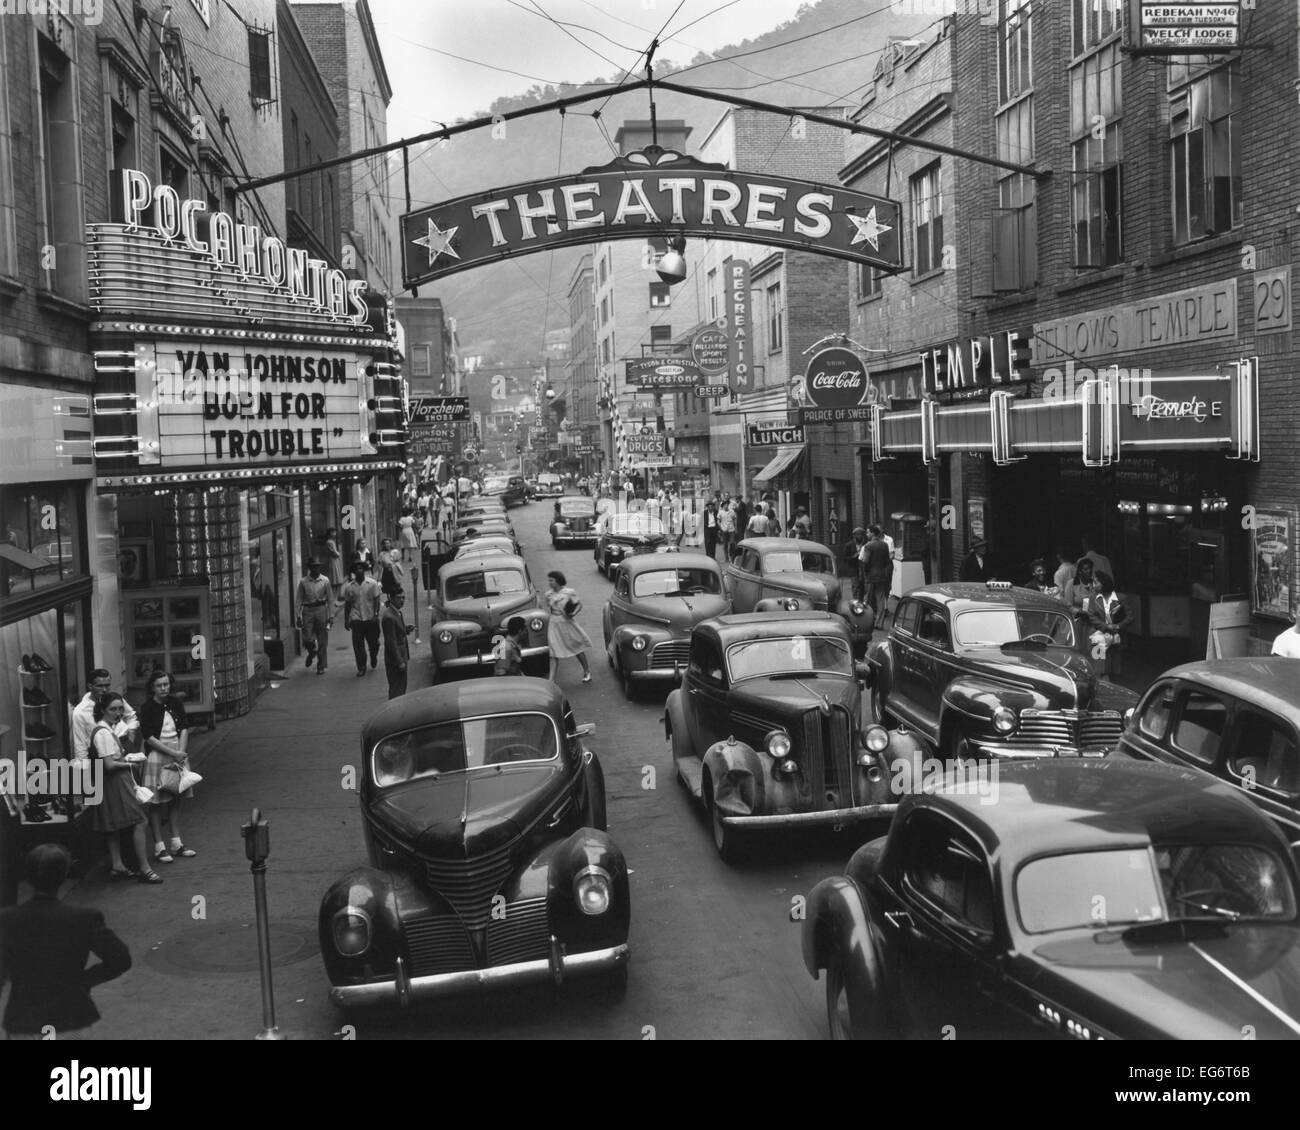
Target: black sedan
point(484, 821)
point(1080, 900)
point(621, 534)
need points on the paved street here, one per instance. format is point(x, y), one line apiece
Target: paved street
point(715, 953)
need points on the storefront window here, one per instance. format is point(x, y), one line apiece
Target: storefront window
point(45, 521)
point(58, 636)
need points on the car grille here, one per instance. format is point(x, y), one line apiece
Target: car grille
point(438, 944)
point(1070, 729)
point(672, 653)
point(523, 934)
point(469, 885)
point(577, 525)
point(441, 943)
point(827, 757)
point(473, 645)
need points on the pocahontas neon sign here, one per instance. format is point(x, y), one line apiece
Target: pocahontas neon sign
point(643, 194)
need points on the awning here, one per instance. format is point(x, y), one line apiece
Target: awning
point(784, 468)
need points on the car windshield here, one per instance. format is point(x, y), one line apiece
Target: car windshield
point(798, 561)
point(489, 582)
point(577, 508)
point(635, 524)
point(1130, 887)
point(992, 627)
point(452, 747)
point(786, 654)
point(667, 581)
point(474, 549)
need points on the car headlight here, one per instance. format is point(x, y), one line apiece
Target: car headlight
point(778, 744)
point(351, 929)
point(791, 604)
point(593, 890)
point(876, 739)
point(857, 608)
point(639, 643)
point(1004, 720)
point(536, 623)
point(445, 636)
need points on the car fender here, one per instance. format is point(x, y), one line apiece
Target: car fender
point(675, 717)
point(903, 761)
point(880, 658)
point(858, 622)
point(383, 897)
point(738, 776)
point(457, 628)
point(777, 603)
point(622, 643)
point(562, 861)
point(968, 700)
point(837, 921)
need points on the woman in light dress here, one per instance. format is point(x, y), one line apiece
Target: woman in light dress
point(564, 634)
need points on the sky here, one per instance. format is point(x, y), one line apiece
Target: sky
point(429, 87)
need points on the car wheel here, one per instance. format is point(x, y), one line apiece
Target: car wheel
point(629, 685)
point(841, 1018)
point(878, 704)
point(728, 840)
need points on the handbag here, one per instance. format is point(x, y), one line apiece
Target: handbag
point(143, 795)
point(572, 607)
point(177, 778)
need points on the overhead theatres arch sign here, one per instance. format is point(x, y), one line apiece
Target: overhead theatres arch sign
point(647, 193)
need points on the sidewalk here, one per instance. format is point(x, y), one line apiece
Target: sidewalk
point(193, 938)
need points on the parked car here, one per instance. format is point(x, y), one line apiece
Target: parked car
point(1094, 900)
point(489, 865)
point(494, 485)
point(657, 600)
point(575, 523)
point(622, 533)
point(1238, 719)
point(766, 574)
point(988, 670)
point(767, 729)
point(549, 485)
point(486, 544)
point(475, 598)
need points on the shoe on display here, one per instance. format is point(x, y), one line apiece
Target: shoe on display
point(34, 696)
point(40, 733)
point(26, 668)
point(40, 663)
point(35, 814)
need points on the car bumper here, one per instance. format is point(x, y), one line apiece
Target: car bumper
point(1019, 752)
point(655, 674)
point(557, 968)
point(836, 817)
point(488, 659)
point(574, 539)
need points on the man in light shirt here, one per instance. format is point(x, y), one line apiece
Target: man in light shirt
point(83, 716)
point(1287, 643)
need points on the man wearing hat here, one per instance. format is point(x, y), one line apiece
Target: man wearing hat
point(315, 601)
point(975, 565)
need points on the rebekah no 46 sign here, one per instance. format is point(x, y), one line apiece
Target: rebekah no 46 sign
point(648, 193)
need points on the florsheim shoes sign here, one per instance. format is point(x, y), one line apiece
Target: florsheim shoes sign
point(653, 192)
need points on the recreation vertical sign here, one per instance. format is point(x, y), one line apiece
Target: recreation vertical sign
point(740, 353)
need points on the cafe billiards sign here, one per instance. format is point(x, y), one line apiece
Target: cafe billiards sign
point(652, 192)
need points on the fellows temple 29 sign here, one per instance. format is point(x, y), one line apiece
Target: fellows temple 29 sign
point(647, 193)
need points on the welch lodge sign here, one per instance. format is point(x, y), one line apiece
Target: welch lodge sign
point(648, 193)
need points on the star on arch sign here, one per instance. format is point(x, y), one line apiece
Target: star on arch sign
point(438, 242)
point(869, 228)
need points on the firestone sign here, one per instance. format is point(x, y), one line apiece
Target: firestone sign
point(653, 192)
point(661, 372)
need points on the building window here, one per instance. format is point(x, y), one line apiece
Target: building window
point(420, 361)
point(775, 320)
point(712, 287)
point(1095, 20)
point(660, 336)
point(1205, 143)
point(602, 271)
point(1015, 228)
point(927, 220)
point(1096, 105)
point(660, 294)
point(60, 211)
point(869, 280)
point(1015, 47)
point(259, 66)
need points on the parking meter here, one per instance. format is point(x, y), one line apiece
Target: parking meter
point(257, 838)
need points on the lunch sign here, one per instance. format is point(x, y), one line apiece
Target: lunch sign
point(652, 192)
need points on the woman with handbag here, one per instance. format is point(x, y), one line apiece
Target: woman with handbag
point(118, 808)
point(165, 731)
point(564, 634)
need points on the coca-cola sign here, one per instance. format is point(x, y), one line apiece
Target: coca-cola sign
point(836, 378)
